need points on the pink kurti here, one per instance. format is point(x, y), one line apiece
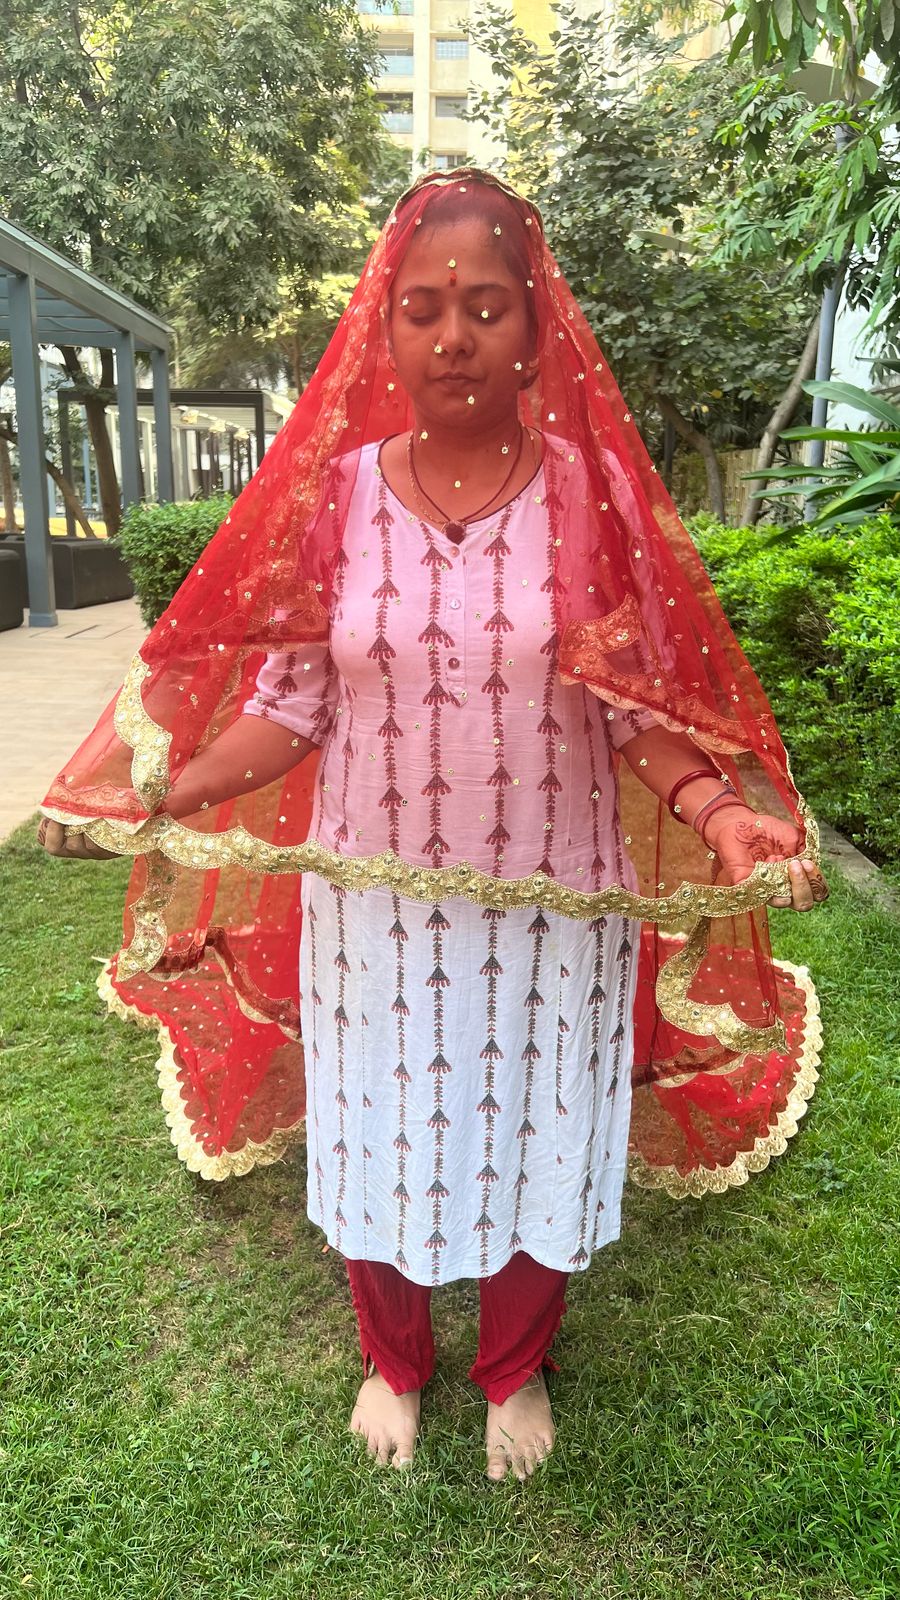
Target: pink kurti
point(468, 1070)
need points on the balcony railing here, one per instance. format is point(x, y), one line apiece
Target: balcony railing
point(385, 8)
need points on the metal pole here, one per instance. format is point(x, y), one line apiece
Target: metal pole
point(32, 451)
point(831, 301)
point(129, 443)
point(162, 411)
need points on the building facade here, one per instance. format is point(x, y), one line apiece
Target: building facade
point(430, 66)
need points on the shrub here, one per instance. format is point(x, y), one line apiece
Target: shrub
point(818, 614)
point(160, 544)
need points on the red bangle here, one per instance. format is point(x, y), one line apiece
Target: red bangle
point(701, 772)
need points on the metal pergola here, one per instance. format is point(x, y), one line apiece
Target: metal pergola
point(47, 299)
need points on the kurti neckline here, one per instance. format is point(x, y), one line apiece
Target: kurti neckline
point(479, 523)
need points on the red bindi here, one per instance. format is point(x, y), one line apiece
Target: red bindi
point(453, 278)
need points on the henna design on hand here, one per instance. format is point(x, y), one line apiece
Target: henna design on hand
point(759, 842)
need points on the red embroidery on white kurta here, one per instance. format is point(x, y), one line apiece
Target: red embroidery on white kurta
point(538, 929)
point(598, 865)
point(496, 686)
point(548, 725)
point(616, 1040)
point(316, 999)
point(382, 651)
point(439, 1122)
point(342, 1021)
point(596, 999)
point(487, 1105)
point(401, 1143)
point(562, 1027)
point(435, 697)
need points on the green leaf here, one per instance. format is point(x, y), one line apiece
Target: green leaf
point(784, 17)
point(859, 399)
point(840, 435)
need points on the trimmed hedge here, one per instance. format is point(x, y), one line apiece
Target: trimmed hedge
point(161, 543)
point(818, 615)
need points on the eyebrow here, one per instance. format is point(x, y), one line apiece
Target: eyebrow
point(475, 288)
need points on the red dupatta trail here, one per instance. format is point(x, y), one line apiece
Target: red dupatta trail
point(726, 1038)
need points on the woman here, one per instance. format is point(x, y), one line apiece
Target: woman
point(462, 585)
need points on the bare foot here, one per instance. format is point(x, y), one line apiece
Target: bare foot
point(388, 1422)
point(521, 1432)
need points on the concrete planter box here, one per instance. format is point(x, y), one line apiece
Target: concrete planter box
point(86, 572)
point(12, 590)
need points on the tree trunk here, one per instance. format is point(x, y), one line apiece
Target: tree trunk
point(8, 437)
point(698, 441)
point(779, 420)
point(95, 402)
point(8, 487)
point(70, 497)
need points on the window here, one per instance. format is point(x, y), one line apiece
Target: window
point(451, 49)
point(376, 8)
point(450, 105)
point(396, 112)
point(443, 162)
point(398, 59)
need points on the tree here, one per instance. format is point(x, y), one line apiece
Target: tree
point(291, 344)
point(631, 176)
point(160, 142)
point(834, 212)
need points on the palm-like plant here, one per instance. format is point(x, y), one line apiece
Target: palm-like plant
point(864, 473)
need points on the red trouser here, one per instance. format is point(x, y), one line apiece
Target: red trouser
point(522, 1306)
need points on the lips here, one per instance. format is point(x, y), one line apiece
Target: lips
point(457, 377)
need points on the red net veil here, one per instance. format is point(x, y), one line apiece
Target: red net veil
point(725, 1037)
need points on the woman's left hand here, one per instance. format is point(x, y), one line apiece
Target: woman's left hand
point(740, 837)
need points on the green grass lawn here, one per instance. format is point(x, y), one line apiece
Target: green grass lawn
point(179, 1358)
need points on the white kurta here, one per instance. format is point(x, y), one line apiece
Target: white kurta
point(468, 1071)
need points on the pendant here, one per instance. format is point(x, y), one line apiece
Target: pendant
point(455, 531)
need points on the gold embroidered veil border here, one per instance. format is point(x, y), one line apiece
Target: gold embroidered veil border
point(689, 911)
point(643, 1173)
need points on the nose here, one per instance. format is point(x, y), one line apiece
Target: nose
point(456, 335)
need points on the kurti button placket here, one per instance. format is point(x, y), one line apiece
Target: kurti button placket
point(454, 580)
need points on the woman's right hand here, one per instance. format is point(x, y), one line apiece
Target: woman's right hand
point(72, 846)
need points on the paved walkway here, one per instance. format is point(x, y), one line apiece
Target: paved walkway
point(54, 682)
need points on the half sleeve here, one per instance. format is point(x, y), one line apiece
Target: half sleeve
point(622, 725)
point(299, 690)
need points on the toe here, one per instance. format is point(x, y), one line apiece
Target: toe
point(498, 1463)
